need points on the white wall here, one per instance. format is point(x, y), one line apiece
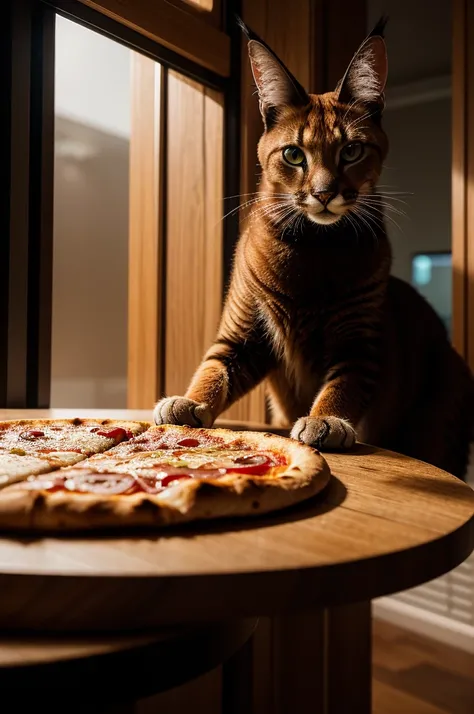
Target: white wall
point(419, 162)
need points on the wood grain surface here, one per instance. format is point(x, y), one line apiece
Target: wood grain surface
point(385, 523)
point(174, 27)
point(112, 670)
point(146, 234)
point(459, 176)
point(416, 675)
point(194, 244)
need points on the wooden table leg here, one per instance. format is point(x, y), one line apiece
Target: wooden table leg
point(348, 659)
point(321, 662)
point(237, 681)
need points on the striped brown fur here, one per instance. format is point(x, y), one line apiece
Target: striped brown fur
point(347, 350)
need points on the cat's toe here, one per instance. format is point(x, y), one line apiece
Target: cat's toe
point(324, 432)
point(182, 411)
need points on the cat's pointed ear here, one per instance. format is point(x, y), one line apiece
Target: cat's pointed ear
point(276, 86)
point(366, 76)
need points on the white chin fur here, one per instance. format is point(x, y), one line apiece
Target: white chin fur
point(323, 219)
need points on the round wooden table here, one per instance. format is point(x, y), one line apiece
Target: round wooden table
point(385, 523)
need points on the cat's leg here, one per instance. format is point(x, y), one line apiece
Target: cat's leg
point(353, 368)
point(228, 371)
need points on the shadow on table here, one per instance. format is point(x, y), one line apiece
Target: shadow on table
point(328, 499)
point(421, 476)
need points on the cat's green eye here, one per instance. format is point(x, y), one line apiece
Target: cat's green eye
point(352, 152)
point(294, 156)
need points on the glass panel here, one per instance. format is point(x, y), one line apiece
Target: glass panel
point(89, 340)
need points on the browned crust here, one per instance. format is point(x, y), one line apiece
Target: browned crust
point(77, 421)
point(231, 496)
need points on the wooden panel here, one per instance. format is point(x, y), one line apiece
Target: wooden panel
point(204, 4)
point(174, 27)
point(469, 148)
point(458, 181)
point(207, 10)
point(348, 651)
point(194, 227)
point(298, 664)
point(145, 234)
point(201, 694)
point(16, 56)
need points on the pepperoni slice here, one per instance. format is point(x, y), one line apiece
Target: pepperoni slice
point(118, 434)
point(172, 478)
point(103, 483)
point(31, 435)
point(253, 464)
point(188, 442)
point(167, 475)
point(43, 483)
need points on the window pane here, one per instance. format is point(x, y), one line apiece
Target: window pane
point(89, 340)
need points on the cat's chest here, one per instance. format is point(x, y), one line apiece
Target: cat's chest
point(296, 335)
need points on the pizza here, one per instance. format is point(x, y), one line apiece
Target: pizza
point(36, 446)
point(167, 475)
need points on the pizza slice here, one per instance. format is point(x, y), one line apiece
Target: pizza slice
point(168, 475)
point(37, 446)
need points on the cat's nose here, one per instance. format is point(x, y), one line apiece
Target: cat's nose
point(324, 196)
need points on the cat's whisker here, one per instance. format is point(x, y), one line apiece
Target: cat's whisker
point(359, 214)
point(258, 194)
point(237, 209)
point(289, 219)
point(394, 194)
point(273, 207)
point(385, 212)
point(382, 201)
point(389, 218)
point(352, 223)
point(389, 196)
point(379, 205)
point(284, 220)
point(241, 206)
point(272, 210)
point(389, 185)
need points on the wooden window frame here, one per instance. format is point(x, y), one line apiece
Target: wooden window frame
point(26, 246)
point(28, 144)
point(214, 17)
point(178, 27)
point(461, 186)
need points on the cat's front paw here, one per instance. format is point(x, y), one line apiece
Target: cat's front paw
point(182, 411)
point(324, 432)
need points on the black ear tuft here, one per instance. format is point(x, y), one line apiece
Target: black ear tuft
point(379, 29)
point(246, 30)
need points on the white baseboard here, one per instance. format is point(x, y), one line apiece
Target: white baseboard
point(437, 627)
